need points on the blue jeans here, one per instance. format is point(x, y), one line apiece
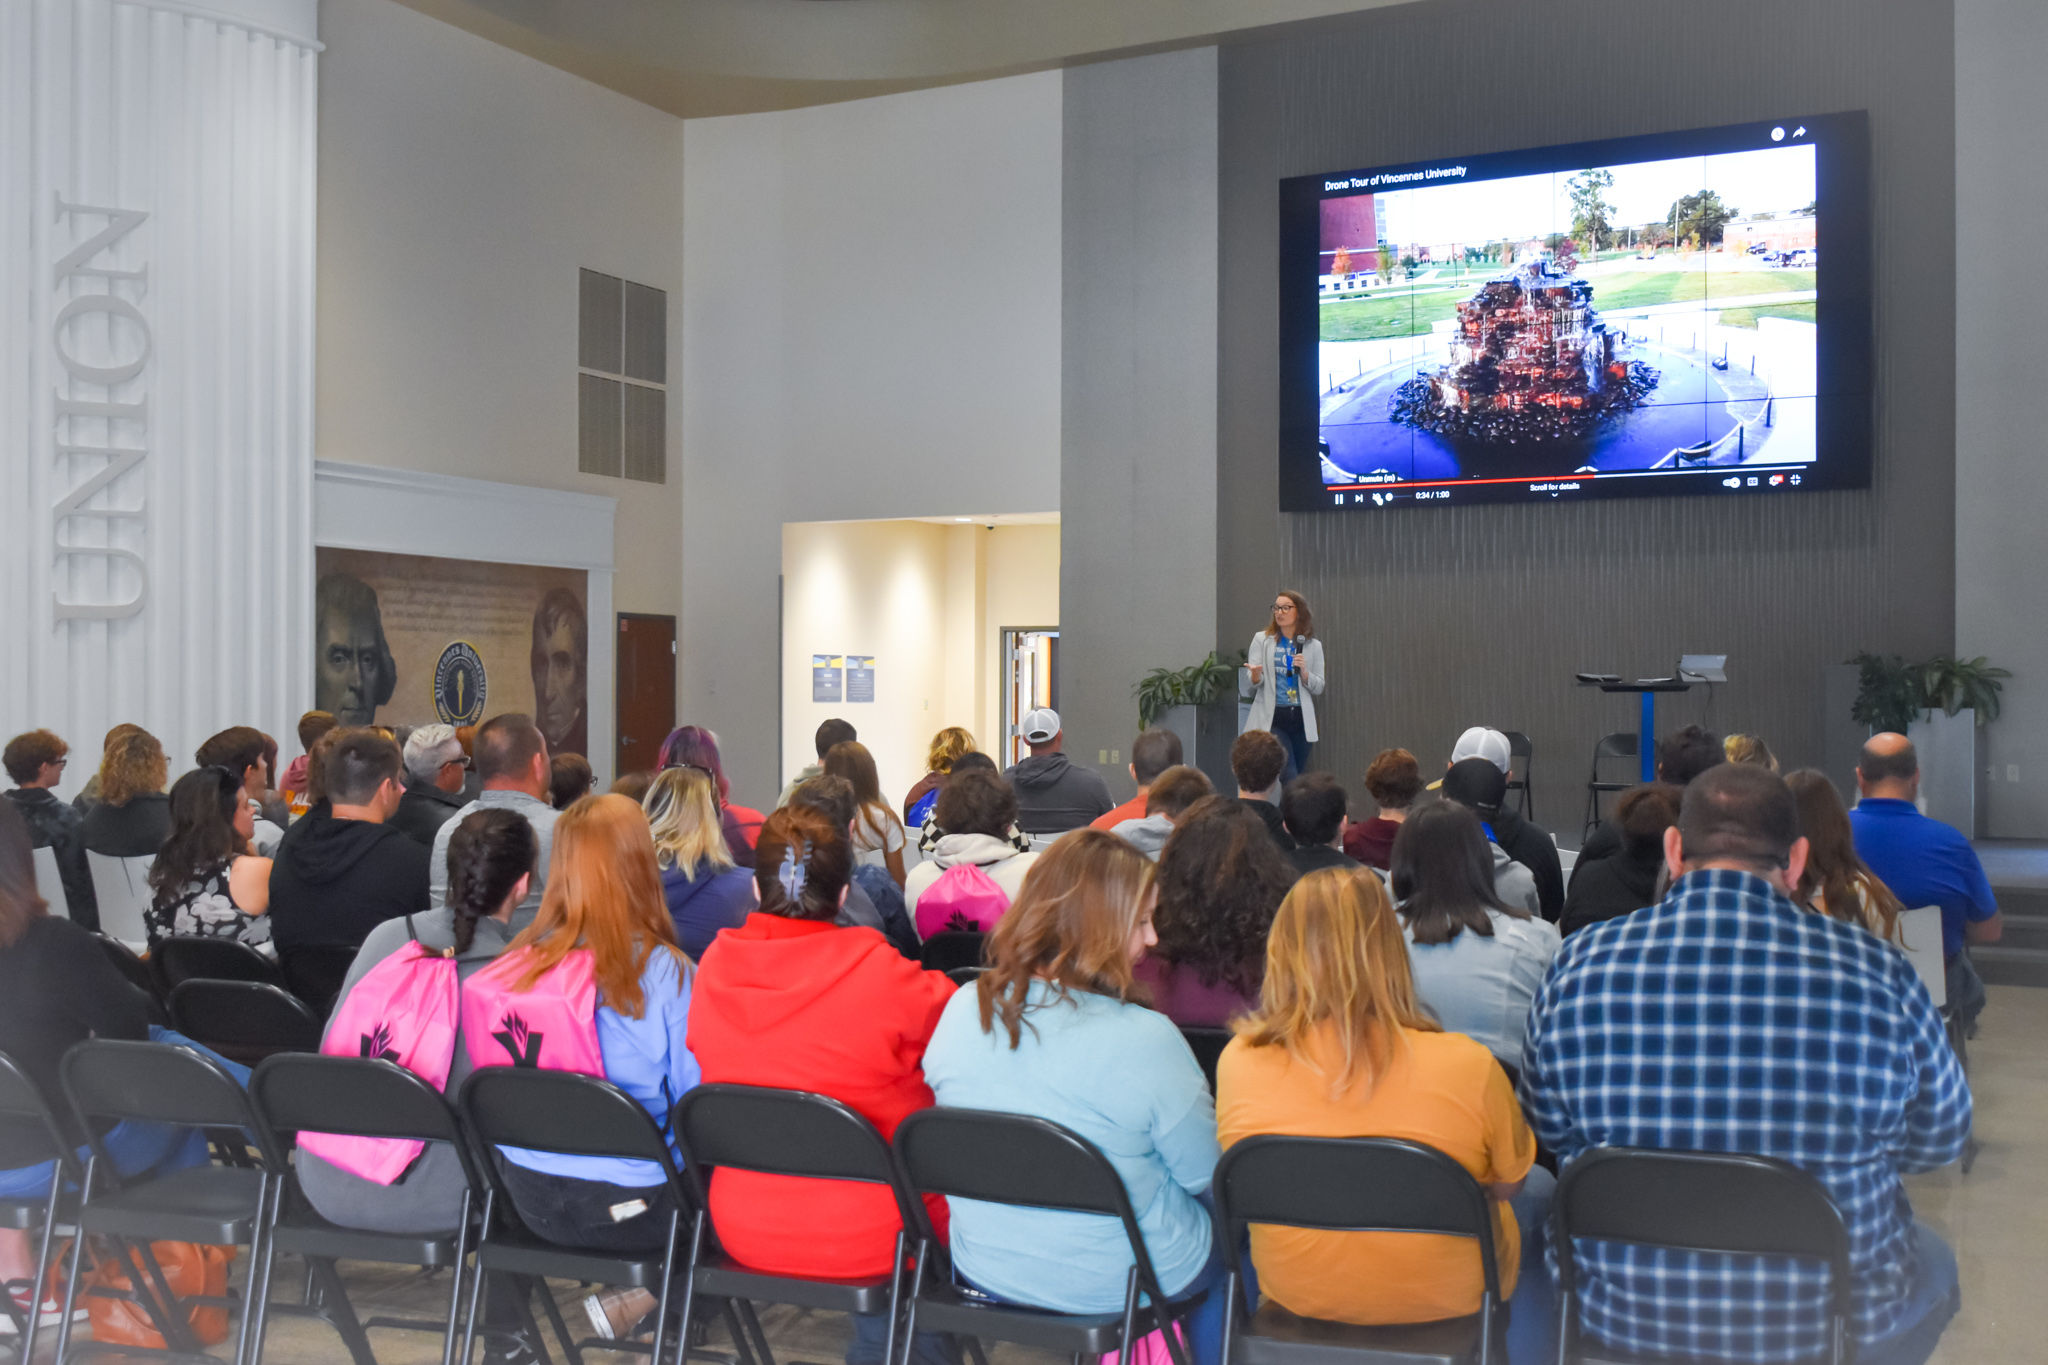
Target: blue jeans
point(1936, 1297)
point(1532, 1309)
point(1289, 730)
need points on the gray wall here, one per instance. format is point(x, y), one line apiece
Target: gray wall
point(1138, 322)
point(2002, 388)
point(1435, 619)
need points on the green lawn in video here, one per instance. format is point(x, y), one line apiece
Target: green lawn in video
point(1746, 317)
point(1405, 311)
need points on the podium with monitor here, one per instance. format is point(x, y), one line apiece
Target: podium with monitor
point(1692, 668)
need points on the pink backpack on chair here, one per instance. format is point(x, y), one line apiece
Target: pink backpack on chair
point(552, 1025)
point(404, 1010)
point(963, 898)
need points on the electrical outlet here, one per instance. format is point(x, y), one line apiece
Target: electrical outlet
point(1116, 755)
point(1102, 756)
point(2012, 772)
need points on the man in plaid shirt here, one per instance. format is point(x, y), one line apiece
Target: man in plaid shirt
point(1730, 1019)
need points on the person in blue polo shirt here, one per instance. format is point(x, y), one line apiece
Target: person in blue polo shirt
point(1924, 862)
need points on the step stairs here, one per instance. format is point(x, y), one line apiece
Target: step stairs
point(2020, 957)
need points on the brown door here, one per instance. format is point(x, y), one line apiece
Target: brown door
point(647, 689)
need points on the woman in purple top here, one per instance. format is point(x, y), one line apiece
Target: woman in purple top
point(1221, 877)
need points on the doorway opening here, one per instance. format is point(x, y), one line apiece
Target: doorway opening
point(1030, 656)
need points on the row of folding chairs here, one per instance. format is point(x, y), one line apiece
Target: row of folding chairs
point(312, 975)
point(1696, 1201)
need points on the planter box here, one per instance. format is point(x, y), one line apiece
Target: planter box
point(1206, 734)
point(1952, 759)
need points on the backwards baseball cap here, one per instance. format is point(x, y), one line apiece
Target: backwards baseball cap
point(1480, 742)
point(1041, 725)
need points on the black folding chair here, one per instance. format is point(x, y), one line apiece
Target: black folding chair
point(23, 1103)
point(367, 1097)
point(1617, 745)
point(1018, 1159)
point(244, 1021)
point(952, 950)
point(560, 1111)
point(1361, 1184)
point(211, 1205)
point(317, 974)
point(1207, 1044)
point(137, 973)
point(786, 1132)
point(186, 958)
point(965, 976)
point(1711, 1202)
point(1520, 752)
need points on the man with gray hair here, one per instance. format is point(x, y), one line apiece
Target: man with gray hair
point(435, 769)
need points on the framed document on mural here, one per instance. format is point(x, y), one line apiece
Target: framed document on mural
point(410, 640)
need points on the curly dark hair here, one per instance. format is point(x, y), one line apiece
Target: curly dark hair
point(1221, 877)
point(976, 802)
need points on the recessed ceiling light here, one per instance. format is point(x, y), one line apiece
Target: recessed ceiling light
point(963, 518)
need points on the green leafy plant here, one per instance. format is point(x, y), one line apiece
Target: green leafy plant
point(1891, 693)
point(1956, 684)
point(1196, 685)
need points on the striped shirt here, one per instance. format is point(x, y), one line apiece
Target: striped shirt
point(1727, 1019)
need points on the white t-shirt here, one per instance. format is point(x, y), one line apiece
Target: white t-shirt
point(872, 846)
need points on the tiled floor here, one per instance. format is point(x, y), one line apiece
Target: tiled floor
point(1996, 1217)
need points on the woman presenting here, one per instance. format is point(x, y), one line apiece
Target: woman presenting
point(1287, 669)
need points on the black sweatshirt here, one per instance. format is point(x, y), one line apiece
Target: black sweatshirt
point(57, 987)
point(335, 880)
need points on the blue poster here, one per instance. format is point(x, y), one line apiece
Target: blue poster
point(825, 675)
point(860, 677)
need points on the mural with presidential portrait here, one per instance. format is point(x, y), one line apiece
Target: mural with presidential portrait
point(409, 640)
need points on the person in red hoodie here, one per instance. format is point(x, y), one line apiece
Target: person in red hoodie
point(791, 1000)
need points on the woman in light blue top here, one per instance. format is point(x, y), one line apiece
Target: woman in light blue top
point(1053, 1030)
point(1477, 961)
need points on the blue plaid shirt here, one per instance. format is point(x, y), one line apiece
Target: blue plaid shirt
point(1727, 1019)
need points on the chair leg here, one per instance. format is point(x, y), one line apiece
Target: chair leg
point(70, 1290)
point(27, 1336)
point(262, 1267)
point(455, 1278)
point(743, 1309)
point(554, 1316)
point(341, 1314)
point(161, 1303)
point(668, 1266)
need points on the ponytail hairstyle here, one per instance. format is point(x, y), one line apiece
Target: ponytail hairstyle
point(487, 855)
point(801, 863)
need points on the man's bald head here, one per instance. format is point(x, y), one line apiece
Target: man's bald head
point(1888, 768)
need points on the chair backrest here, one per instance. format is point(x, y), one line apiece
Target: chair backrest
point(155, 1083)
point(1519, 747)
point(121, 886)
point(953, 948)
point(182, 958)
point(1008, 1159)
point(1618, 745)
point(1354, 1184)
point(129, 965)
point(780, 1132)
point(244, 1018)
point(1207, 1044)
point(358, 1096)
point(23, 1100)
point(1700, 1201)
point(317, 974)
point(1920, 935)
point(560, 1111)
point(964, 976)
point(50, 881)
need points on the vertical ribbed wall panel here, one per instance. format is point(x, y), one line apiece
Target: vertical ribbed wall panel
point(207, 125)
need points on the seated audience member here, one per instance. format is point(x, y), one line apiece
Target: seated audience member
point(1728, 978)
point(132, 816)
point(1681, 756)
point(1477, 785)
point(929, 834)
point(1394, 781)
point(1220, 880)
point(1749, 749)
point(604, 898)
point(240, 750)
point(271, 803)
point(512, 757)
point(89, 795)
point(1477, 959)
point(1152, 753)
point(830, 732)
point(1522, 841)
point(1341, 1047)
point(569, 780)
point(341, 869)
point(435, 769)
point(208, 881)
point(1314, 806)
point(1053, 794)
point(1169, 795)
point(977, 810)
point(693, 746)
point(704, 891)
point(877, 833)
point(491, 855)
point(294, 784)
point(472, 785)
point(1632, 878)
point(1837, 882)
point(36, 762)
point(1053, 1029)
point(1924, 862)
point(873, 900)
point(635, 786)
point(946, 746)
point(1257, 759)
point(792, 1000)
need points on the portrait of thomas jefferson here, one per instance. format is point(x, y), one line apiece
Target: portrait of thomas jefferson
point(353, 671)
point(561, 672)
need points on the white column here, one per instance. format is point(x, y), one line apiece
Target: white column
point(156, 367)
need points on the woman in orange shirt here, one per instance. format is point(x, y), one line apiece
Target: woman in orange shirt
point(1340, 1048)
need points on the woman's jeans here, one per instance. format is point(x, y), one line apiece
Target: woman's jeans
point(1293, 737)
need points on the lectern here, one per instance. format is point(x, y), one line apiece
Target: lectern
point(1646, 730)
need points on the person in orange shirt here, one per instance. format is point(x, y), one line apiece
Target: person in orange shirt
point(1152, 753)
point(1340, 1047)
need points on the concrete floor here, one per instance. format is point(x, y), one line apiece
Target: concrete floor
point(1994, 1217)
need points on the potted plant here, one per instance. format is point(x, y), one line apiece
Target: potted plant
point(1196, 703)
point(1942, 705)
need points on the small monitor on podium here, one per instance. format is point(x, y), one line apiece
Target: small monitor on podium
point(1712, 668)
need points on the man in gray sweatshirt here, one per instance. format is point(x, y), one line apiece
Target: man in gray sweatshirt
point(1054, 795)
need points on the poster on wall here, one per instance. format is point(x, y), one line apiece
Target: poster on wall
point(860, 677)
point(825, 677)
point(410, 640)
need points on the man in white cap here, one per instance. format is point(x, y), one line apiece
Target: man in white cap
point(1519, 839)
point(1053, 795)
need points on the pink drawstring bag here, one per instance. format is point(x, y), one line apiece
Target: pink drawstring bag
point(404, 1010)
point(964, 898)
point(1150, 1349)
point(552, 1025)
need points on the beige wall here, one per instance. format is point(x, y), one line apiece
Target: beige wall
point(926, 600)
point(462, 185)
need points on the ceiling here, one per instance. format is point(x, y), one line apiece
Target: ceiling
point(696, 58)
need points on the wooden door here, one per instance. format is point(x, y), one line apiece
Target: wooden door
point(647, 689)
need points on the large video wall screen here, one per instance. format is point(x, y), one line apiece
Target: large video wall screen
point(1678, 313)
